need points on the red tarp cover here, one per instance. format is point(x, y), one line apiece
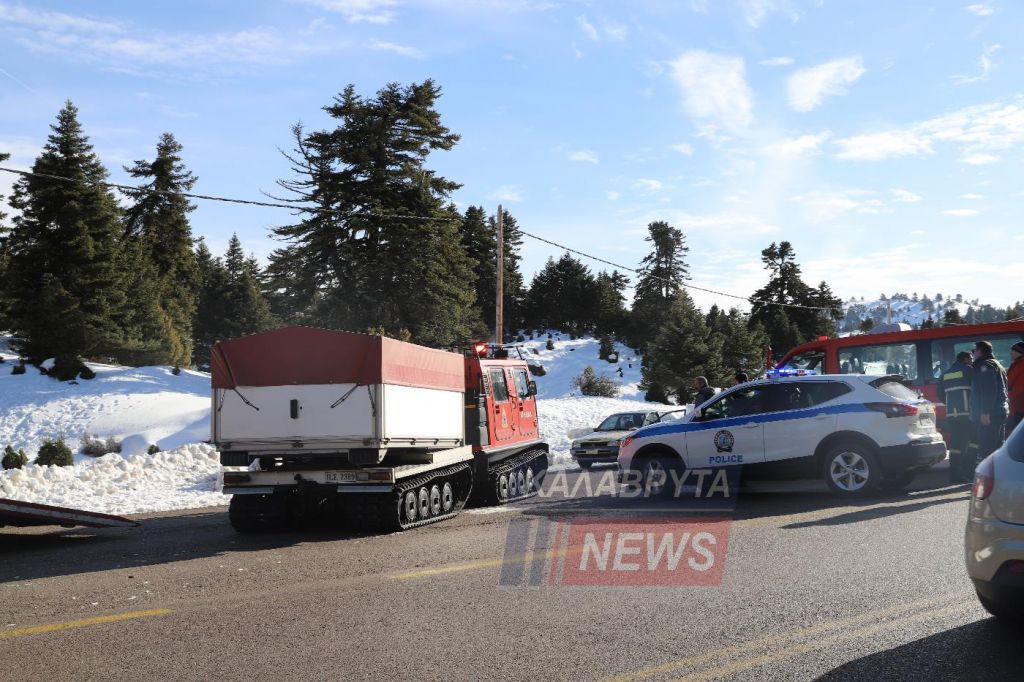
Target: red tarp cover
point(305, 355)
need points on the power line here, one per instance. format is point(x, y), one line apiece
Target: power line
point(395, 216)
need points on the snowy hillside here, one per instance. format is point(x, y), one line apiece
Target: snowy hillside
point(151, 405)
point(912, 309)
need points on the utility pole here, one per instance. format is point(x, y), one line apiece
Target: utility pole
point(499, 302)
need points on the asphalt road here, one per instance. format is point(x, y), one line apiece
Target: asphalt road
point(812, 588)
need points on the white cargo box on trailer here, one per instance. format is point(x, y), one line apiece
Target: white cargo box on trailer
point(313, 390)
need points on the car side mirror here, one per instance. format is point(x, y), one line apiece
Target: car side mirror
point(532, 388)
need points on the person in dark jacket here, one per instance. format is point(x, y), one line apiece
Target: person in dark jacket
point(704, 391)
point(740, 378)
point(988, 399)
point(955, 392)
point(1015, 386)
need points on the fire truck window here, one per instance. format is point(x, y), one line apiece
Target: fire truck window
point(1000, 346)
point(812, 359)
point(498, 388)
point(891, 358)
point(522, 383)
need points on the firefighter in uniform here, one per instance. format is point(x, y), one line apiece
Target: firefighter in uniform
point(955, 389)
point(988, 400)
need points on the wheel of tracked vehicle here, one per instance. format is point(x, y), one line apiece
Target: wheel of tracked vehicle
point(521, 480)
point(423, 502)
point(447, 497)
point(435, 500)
point(530, 480)
point(503, 487)
point(410, 507)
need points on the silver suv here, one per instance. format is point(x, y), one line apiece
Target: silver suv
point(994, 540)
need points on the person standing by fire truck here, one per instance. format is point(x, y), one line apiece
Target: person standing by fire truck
point(955, 392)
point(1015, 386)
point(988, 399)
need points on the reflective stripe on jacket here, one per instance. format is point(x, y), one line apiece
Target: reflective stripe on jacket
point(955, 390)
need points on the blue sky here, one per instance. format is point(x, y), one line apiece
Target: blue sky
point(881, 138)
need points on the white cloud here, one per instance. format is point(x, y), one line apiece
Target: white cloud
point(986, 63)
point(796, 146)
point(616, 32)
point(715, 89)
point(905, 196)
point(510, 193)
point(824, 207)
point(401, 50)
point(755, 11)
point(584, 155)
point(684, 148)
point(648, 185)
point(356, 11)
point(972, 196)
point(776, 61)
point(977, 130)
point(961, 212)
point(807, 88)
point(878, 146)
point(588, 27)
point(979, 159)
point(613, 195)
point(55, 22)
point(980, 10)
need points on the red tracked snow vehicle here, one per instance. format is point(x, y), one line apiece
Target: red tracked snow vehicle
point(384, 434)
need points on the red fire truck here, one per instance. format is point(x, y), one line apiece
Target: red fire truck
point(384, 434)
point(919, 355)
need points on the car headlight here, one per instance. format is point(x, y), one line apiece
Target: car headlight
point(575, 444)
point(615, 442)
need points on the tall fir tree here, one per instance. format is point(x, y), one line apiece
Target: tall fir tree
point(381, 248)
point(744, 346)
point(812, 311)
point(684, 349)
point(563, 296)
point(612, 317)
point(661, 276)
point(64, 248)
point(230, 303)
point(158, 221)
point(3, 257)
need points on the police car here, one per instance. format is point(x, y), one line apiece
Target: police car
point(857, 432)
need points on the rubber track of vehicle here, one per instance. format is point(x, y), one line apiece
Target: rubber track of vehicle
point(489, 495)
point(381, 512)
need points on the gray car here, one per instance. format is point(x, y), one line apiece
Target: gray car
point(601, 446)
point(994, 540)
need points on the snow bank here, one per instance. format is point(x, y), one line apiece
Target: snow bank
point(570, 358)
point(184, 478)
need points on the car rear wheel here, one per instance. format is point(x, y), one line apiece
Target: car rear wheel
point(851, 470)
point(1001, 611)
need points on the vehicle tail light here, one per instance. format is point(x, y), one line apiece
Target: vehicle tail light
point(984, 479)
point(384, 475)
point(236, 478)
point(891, 410)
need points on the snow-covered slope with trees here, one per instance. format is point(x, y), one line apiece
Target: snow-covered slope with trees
point(915, 310)
point(152, 405)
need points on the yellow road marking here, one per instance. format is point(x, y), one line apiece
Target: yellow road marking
point(67, 625)
point(740, 524)
point(820, 628)
point(806, 647)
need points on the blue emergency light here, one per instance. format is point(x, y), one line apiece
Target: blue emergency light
point(787, 372)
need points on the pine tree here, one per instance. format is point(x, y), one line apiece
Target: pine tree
point(612, 318)
point(158, 220)
point(684, 349)
point(64, 248)
point(811, 311)
point(4, 324)
point(661, 276)
point(210, 305)
point(382, 246)
point(744, 346)
point(563, 295)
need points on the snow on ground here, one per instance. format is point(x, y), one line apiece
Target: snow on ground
point(148, 405)
point(184, 478)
